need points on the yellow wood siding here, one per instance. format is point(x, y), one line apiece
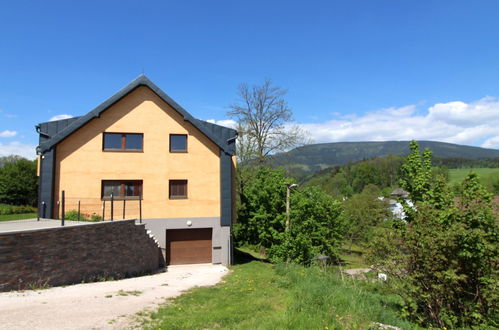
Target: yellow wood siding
point(81, 164)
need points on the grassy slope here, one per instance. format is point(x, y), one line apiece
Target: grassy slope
point(259, 295)
point(458, 175)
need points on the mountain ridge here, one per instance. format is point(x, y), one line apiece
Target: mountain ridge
point(314, 157)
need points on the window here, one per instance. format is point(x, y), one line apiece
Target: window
point(126, 189)
point(123, 142)
point(178, 189)
point(178, 143)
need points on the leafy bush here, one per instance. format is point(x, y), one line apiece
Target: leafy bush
point(262, 206)
point(73, 216)
point(363, 212)
point(444, 261)
point(95, 218)
point(316, 228)
point(13, 209)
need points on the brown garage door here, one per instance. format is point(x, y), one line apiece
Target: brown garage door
point(188, 246)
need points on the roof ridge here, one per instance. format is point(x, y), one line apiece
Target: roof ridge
point(225, 144)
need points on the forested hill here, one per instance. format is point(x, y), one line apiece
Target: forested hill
point(314, 157)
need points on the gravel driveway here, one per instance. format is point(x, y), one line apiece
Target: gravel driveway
point(102, 305)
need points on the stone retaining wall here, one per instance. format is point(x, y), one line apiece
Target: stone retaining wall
point(67, 255)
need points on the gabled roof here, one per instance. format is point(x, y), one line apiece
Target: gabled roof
point(51, 133)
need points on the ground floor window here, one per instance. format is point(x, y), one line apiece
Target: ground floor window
point(121, 189)
point(178, 189)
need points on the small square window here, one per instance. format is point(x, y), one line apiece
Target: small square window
point(178, 189)
point(178, 143)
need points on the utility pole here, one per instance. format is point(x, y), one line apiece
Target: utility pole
point(288, 195)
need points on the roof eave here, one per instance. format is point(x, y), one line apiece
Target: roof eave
point(142, 80)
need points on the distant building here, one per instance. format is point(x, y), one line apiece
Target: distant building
point(399, 193)
point(394, 205)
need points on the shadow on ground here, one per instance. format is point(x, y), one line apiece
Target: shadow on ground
point(241, 257)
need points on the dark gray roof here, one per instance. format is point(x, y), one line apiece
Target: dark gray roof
point(51, 133)
point(400, 192)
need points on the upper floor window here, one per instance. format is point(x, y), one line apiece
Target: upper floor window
point(178, 143)
point(123, 189)
point(123, 142)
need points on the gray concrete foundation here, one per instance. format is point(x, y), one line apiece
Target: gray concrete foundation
point(221, 245)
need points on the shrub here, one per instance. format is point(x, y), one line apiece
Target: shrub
point(73, 216)
point(364, 212)
point(13, 209)
point(316, 228)
point(95, 218)
point(444, 261)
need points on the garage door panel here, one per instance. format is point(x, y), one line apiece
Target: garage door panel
point(189, 246)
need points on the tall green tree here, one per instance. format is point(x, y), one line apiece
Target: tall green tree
point(316, 219)
point(18, 182)
point(262, 206)
point(416, 173)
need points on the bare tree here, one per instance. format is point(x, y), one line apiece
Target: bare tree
point(264, 122)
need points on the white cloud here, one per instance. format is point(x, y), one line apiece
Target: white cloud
point(463, 114)
point(454, 122)
point(225, 122)
point(493, 142)
point(59, 117)
point(18, 148)
point(8, 133)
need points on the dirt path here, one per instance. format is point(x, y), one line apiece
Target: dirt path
point(103, 305)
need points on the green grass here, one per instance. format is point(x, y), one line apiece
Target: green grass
point(259, 295)
point(10, 217)
point(12, 212)
point(458, 175)
point(352, 256)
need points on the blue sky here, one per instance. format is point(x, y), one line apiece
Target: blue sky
point(355, 70)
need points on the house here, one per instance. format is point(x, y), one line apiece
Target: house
point(394, 204)
point(143, 150)
point(399, 193)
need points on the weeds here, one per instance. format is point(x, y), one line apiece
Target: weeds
point(38, 285)
point(129, 293)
